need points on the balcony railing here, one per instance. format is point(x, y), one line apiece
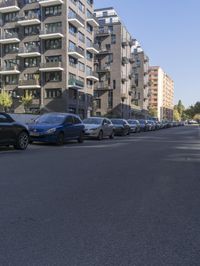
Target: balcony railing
point(76, 16)
point(51, 65)
point(76, 50)
point(93, 45)
point(30, 82)
point(103, 69)
point(30, 49)
point(51, 30)
point(9, 68)
point(103, 86)
point(92, 73)
point(9, 35)
point(8, 3)
point(75, 82)
point(103, 32)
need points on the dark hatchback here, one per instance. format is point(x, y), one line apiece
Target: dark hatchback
point(57, 128)
point(121, 127)
point(13, 133)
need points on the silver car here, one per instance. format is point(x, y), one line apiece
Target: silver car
point(98, 127)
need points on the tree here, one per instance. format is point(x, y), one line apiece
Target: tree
point(193, 110)
point(27, 100)
point(153, 112)
point(5, 100)
point(197, 117)
point(176, 115)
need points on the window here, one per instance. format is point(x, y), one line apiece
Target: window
point(31, 30)
point(34, 13)
point(31, 62)
point(114, 84)
point(72, 30)
point(89, 28)
point(11, 79)
point(89, 56)
point(4, 119)
point(53, 44)
point(113, 39)
point(53, 76)
point(54, 58)
point(81, 66)
point(81, 37)
point(77, 120)
point(89, 71)
point(53, 27)
point(110, 99)
point(53, 93)
point(11, 48)
point(10, 17)
point(72, 61)
point(33, 92)
point(53, 11)
point(81, 7)
point(98, 102)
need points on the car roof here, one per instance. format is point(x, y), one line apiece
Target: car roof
point(65, 114)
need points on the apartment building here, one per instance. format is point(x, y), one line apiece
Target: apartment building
point(141, 82)
point(47, 50)
point(113, 64)
point(161, 93)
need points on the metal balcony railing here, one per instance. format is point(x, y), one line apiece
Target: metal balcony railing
point(51, 65)
point(8, 3)
point(31, 82)
point(76, 16)
point(29, 49)
point(76, 82)
point(51, 30)
point(8, 68)
point(76, 50)
point(9, 35)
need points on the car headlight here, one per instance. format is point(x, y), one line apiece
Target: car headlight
point(51, 131)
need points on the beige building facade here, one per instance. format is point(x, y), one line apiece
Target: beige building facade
point(161, 93)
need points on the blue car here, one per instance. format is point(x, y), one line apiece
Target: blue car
point(56, 128)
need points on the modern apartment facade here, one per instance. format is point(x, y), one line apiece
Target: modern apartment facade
point(113, 93)
point(161, 93)
point(141, 82)
point(47, 50)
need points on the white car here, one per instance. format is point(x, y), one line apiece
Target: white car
point(98, 127)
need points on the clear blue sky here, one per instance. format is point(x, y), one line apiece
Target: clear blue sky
point(169, 32)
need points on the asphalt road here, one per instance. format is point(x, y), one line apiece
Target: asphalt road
point(129, 201)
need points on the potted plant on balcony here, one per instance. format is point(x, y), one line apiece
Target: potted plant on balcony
point(27, 100)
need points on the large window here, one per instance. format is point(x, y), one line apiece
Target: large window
point(11, 48)
point(53, 44)
point(53, 27)
point(53, 93)
point(31, 30)
point(31, 62)
point(53, 76)
point(53, 11)
point(11, 79)
point(54, 58)
point(10, 17)
point(72, 30)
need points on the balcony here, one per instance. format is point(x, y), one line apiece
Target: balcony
point(124, 79)
point(50, 2)
point(75, 83)
point(103, 69)
point(25, 84)
point(103, 32)
point(132, 60)
point(29, 52)
point(32, 19)
point(125, 42)
point(93, 48)
point(132, 42)
point(8, 70)
point(51, 33)
point(92, 76)
point(92, 20)
point(51, 66)
point(105, 51)
point(76, 20)
point(9, 37)
point(125, 60)
point(76, 52)
point(7, 6)
point(103, 86)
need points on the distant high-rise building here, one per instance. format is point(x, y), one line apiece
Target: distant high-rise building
point(141, 76)
point(113, 93)
point(161, 93)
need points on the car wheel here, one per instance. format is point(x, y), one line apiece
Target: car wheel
point(60, 139)
point(112, 135)
point(22, 141)
point(81, 137)
point(100, 136)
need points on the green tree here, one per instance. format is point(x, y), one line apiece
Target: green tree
point(197, 117)
point(176, 115)
point(5, 100)
point(27, 100)
point(153, 112)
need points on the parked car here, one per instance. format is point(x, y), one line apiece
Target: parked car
point(144, 126)
point(98, 127)
point(134, 125)
point(152, 125)
point(13, 133)
point(57, 128)
point(121, 127)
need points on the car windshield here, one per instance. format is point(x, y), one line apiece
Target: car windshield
point(132, 122)
point(142, 121)
point(51, 119)
point(117, 122)
point(95, 121)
